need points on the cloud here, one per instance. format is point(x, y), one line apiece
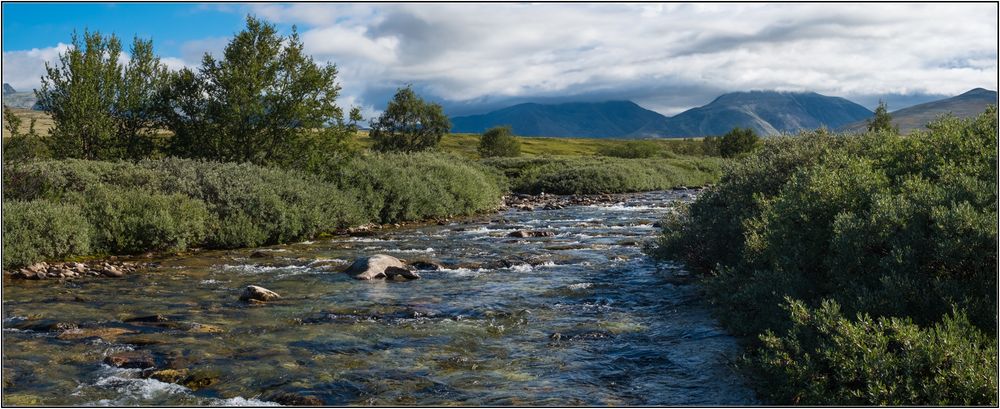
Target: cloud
point(666, 57)
point(463, 53)
point(24, 69)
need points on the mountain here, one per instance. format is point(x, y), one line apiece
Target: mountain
point(15, 99)
point(969, 104)
point(767, 112)
point(581, 119)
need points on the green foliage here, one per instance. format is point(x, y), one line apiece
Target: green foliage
point(578, 175)
point(884, 225)
point(20, 146)
point(736, 142)
point(175, 204)
point(409, 124)
point(101, 109)
point(634, 150)
point(40, 230)
point(826, 359)
point(129, 221)
point(882, 121)
point(499, 142)
point(266, 102)
point(418, 186)
point(162, 204)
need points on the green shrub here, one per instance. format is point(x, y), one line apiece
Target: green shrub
point(576, 175)
point(129, 221)
point(39, 230)
point(499, 142)
point(826, 359)
point(250, 205)
point(633, 150)
point(884, 225)
point(418, 186)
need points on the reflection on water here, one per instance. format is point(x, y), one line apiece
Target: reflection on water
point(579, 318)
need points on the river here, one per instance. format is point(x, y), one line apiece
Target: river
point(578, 318)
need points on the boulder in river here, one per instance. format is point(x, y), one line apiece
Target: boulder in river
point(256, 293)
point(367, 268)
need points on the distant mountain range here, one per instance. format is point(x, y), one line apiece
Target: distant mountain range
point(15, 99)
point(971, 103)
point(767, 112)
point(584, 119)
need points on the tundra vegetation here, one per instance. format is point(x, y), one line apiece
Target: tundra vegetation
point(866, 264)
point(248, 149)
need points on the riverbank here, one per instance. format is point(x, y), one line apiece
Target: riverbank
point(576, 317)
point(72, 209)
point(118, 265)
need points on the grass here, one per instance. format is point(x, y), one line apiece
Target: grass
point(465, 144)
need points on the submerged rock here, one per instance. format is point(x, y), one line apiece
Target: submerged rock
point(256, 293)
point(426, 265)
point(107, 334)
point(294, 399)
point(368, 268)
point(131, 359)
point(398, 272)
point(169, 375)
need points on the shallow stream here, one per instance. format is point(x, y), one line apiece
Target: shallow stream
point(579, 318)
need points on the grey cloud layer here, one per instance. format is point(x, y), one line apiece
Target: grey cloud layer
point(666, 57)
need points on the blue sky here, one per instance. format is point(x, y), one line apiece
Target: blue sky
point(40, 25)
point(476, 57)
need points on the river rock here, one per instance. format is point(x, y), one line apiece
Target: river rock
point(426, 265)
point(111, 271)
point(131, 359)
point(170, 375)
point(255, 293)
point(367, 268)
point(533, 233)
point(294, 399)
point(107, 334)
point(392, 273)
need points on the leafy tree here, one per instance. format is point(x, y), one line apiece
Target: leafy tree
point(101, 108)
point(737, 141)
point(409, 124)
point(21, 146)
point(882, 121)
point(264, 102)
point(499, 142)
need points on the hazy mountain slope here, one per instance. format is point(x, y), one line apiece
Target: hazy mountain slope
point(581, 119)
point(969, 104)
point(767, 112)
point(15, 99)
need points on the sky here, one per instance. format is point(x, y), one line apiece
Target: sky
point(473, 58)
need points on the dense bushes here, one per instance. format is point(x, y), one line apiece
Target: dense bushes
point(39, 230)
point(882, 224)
point(826, 359)
point(579, 175)
point(174, 204)
point(634, 149)
point(416, 186)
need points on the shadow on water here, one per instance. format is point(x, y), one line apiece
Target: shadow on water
point(579, 317)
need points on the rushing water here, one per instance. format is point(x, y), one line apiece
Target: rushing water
point(580, 318)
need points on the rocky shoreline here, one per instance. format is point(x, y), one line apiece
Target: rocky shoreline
point(114, 268)
point(71, 270)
